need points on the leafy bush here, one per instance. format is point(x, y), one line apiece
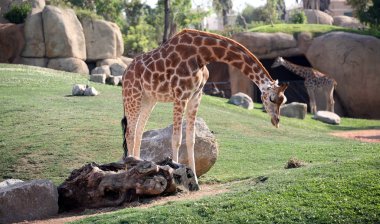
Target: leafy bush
point(18, 13)
point(298, 16)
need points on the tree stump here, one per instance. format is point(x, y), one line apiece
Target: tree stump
point(96, 186)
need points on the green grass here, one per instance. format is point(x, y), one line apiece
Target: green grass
point(314, 29)
point(45, 133)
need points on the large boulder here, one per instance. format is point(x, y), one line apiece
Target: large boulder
point(40, 62)
point(268, 45)
point(34, 36)
point(318, 17)
point(103, 39)
point(327, 117)
point(156, 146)
point(294, 109)
point(242, 100)
point(347, 21)
point(30, 200)
point(11, 42)
point(353, 61)
point(69, 65)
point(63, 33)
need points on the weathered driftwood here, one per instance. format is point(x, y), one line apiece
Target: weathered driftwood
point(95, 186)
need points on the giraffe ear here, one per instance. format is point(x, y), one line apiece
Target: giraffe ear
point(283, 87)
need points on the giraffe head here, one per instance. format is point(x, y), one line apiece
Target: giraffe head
point(273, 97)
point(278, 62)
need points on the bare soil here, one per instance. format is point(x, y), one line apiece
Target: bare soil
point(206, 190)
point(362, 135)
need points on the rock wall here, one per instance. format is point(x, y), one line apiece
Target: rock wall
point(353, 61)
point(54, 37)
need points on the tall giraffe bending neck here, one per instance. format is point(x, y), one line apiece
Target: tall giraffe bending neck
point(176, 72)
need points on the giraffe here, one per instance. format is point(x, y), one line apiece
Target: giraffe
point(175, 72)
point(314, 79)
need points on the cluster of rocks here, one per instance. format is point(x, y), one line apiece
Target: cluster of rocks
point(56, 38)
point(292, 110)
point(38, 199)
point(319, 17)
point(84, 90)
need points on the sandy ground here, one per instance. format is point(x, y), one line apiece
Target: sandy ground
point(206, 190)
point(362, 135)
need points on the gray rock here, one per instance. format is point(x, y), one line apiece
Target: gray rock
point(242, 100)
point(156, 146)
point(113, 80)
point(78, 90)
point(40, 62)
point(353, 61)
point(102, 39)
point(327, 117)
point(294, 109)
point(9, 182)
point(68, 65)
point(91, 91)
point(29, 200)
point(63, 33)
point(34, 36)
point(318, 17)
point(126, 60)
point(109, 61)
point(100, 78)
point(347, 21)
point(117, 69)
point(104, 69)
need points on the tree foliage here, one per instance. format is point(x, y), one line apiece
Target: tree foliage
point(368, 12)
point(18, 13)
point(224, 7)
point(298, 17)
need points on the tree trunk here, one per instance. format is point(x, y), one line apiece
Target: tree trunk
point(167, 21)
point(95, 186)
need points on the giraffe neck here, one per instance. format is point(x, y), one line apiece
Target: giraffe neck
point(206, 48)
point(297, 69)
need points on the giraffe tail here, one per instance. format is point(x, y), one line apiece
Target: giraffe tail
point(124, 128)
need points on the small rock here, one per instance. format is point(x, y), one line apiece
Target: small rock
point(113, 80)
point(100, 78)
point(78, 90)
point(327, 117)
point(91, 91)
point(242, 100)
point(117, 69)
point(294, 109)
point(104, 69)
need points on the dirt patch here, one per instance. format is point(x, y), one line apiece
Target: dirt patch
point(362, 135)
point(294, 163)
point(206, 190)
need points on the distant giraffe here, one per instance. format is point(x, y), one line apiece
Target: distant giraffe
point(313, 79)
point(175, 72)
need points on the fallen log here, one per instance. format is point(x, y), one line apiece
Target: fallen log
point(96, 186)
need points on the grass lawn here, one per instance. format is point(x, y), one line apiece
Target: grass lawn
point(315, 29)
point(45, 133)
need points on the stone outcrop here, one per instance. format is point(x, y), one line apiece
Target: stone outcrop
point(103, 39)
point(294, 109)
point(41, 62)
point(347, 21)
point(11, 48)
point(268, 45)
point(34, 36)
point(69, 65)
point(242, 100)
point(327, 117)
point(353, 61)
point(29, 200)
point(156, 146)
point(63, 33)
point(318, 17)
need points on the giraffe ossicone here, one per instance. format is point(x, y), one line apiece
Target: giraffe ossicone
point(176, 72)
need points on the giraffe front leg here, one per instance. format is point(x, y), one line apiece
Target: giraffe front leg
point(313, 105)
point(330, 99)
point(177, 127)
point(191, 113)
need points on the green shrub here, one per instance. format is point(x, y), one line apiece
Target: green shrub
point(298, 16)
point(18, 13)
